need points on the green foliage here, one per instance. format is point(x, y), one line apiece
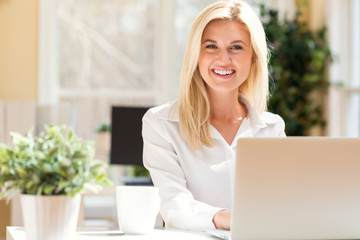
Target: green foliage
point(298, 67)
point(105, 127)
point(55, 162)
point(139, 171)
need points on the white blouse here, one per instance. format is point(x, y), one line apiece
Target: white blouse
point(195, 184)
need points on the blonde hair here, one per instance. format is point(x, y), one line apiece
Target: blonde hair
point(193, 102)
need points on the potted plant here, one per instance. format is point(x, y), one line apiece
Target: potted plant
point(50, 171)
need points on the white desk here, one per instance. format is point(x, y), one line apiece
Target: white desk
point(18, 233)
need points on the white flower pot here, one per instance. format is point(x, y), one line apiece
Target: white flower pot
point(50, 217)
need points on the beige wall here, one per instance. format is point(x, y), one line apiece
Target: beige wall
point(317, 14)
point(18, 49)
point(18, 61)
point(313, 12)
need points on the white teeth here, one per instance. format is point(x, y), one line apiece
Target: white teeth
point(223, 72)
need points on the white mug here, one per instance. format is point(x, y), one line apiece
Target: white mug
point(137, 208)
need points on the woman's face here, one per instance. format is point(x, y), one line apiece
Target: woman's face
point(225, 55)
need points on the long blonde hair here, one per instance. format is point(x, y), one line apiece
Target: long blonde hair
point(193, 102)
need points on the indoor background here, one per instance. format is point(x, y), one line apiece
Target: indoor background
point(65, 61)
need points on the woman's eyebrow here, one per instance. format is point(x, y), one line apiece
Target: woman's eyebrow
point(238, 41)
point(233, 42)
point(209, 40)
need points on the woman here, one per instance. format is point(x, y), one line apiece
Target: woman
point(189, 144)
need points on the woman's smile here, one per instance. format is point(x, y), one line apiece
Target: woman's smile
point(223, 72)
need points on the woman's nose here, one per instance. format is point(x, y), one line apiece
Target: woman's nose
point(224, 56)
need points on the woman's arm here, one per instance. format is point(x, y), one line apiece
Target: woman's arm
point(179, 209)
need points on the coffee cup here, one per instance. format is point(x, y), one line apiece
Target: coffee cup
point(137, 208)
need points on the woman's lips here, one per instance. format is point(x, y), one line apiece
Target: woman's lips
point(223, 73)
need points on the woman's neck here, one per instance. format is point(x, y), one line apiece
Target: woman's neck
point(226, 107)
point(226, 114)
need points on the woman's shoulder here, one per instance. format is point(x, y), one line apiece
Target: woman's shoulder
point(271, 118)
point(167, 111)
point(271, 124)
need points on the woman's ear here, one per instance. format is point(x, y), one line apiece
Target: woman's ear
point(253, 59)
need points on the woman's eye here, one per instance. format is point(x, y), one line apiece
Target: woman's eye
point(211, 46)
point(237, 47)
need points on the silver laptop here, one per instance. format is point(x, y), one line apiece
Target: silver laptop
point(297, 188)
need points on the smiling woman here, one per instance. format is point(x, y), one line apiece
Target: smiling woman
point(189, 144)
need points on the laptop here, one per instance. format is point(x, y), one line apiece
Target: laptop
point(296, 188)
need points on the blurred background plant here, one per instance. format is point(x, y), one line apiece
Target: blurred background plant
point(104, 127)
point(139, 171)
point(298, 71)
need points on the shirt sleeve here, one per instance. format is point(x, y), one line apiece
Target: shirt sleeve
point(280, 127)
point(179, 209)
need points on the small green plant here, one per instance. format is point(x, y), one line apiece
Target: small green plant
point(105, 127)
point(139, 171)
point(55, 162)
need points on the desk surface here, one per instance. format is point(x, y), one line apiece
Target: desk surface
point(18, 233)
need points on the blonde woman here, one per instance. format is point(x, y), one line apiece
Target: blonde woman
point(189, 144)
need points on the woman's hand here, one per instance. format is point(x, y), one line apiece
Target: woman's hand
point(222, 219)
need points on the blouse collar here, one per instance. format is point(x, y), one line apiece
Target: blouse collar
point(170, 112)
